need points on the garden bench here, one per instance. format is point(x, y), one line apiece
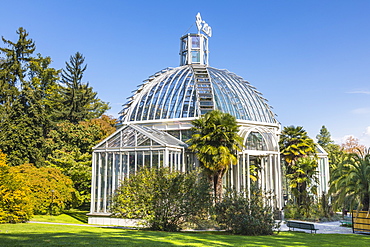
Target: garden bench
point(346, 222)
point(301, 225)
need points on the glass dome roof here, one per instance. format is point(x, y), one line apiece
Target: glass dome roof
point(191, 90)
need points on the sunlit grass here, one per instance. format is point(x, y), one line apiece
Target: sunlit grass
point(30, 234)
point(71, 216)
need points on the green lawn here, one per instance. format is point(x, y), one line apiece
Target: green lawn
point(72, 216)
point(30, 234)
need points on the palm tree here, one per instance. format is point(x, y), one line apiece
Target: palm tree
point(295, 143)
point(296, 148)
point(216, 141)
point(350, 182)
point(303, 182)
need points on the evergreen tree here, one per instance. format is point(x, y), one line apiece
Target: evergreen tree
point(13, 69)
point(79, 101)
point(324, 137)
point(26, 82)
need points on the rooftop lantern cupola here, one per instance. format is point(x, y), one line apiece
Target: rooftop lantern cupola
point(194, 47)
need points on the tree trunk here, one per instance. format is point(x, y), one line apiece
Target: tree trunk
point(366, 202)
point(217, 185)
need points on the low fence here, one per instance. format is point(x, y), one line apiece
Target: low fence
point(361, 221)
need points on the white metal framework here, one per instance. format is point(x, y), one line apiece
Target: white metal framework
point(187, 91)
point(125, 152)
point(156, 122)
point(322, 171)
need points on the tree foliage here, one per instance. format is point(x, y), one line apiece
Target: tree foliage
point(303, 183)
point(32, 102)
point(79, 101)
point(48, 187)
point(165, 200)
point(298, 154)
point(216, 141)
point(246, 216)
point(25, 83)
point(352, 145)
point(350, 181)
point(34, 106)
point(295, 143)
point(15, 200)
point(324, 138)
point(70, 146)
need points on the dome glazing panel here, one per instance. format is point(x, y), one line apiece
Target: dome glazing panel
point(174, 93)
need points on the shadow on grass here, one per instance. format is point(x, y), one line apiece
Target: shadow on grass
point(78, 215)
point(56, 235)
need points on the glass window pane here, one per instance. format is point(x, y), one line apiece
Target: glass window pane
point(117, 170)
point(124, 166)
point(160, 159)
point(155, 159)
point(195, 42)
point(102, 182)
point(139, 161)
point(174, 133)
point(195, 56)
point(147, 159)
point(132, 162)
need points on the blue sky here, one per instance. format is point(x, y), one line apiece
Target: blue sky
point(310, 59)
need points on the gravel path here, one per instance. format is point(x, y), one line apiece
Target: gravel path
point(324, 228)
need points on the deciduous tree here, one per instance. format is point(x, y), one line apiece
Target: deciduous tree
point(70, 146)
point(50, 190)
point(15, 200)
point(352, 145)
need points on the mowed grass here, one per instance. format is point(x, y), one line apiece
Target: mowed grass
point(31, 234)
point(72, 216)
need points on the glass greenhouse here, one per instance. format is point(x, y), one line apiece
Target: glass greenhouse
point(156, 122)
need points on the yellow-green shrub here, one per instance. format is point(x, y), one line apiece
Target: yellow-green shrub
point(49, 188)
point(15, 198)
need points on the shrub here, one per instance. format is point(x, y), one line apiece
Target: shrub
point(15, 199)
point(319, 211)
point(49, 189)
point(241, 215)
point(165, 200)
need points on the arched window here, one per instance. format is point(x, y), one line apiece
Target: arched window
point(255, 141)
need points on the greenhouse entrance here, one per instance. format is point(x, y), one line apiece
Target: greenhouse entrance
point(258, 164)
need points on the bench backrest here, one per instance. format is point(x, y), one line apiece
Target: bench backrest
point(301, 225)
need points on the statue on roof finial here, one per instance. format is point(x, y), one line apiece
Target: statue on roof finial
point(203, 26)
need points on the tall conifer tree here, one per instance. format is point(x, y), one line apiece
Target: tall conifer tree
point(324, 137)
point(24, 81)
point(80, 102)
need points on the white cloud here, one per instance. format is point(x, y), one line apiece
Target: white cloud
point(360, 92)
point(365, 110)
point(344, 138)
point(364, 139)
point(367, 131)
